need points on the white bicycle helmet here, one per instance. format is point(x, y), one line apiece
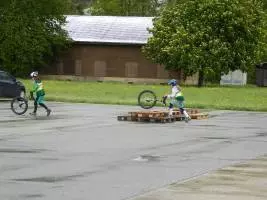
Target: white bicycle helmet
point(34, 74)
point(172, 82)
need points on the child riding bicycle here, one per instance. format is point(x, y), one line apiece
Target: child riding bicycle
point(177, 99)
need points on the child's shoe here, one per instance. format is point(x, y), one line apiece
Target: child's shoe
point(187, 119)
point(33, 113)
point(48, 112)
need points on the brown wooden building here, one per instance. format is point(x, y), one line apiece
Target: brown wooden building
point(109, 48)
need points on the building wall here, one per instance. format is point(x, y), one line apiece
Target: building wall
point(106, 62)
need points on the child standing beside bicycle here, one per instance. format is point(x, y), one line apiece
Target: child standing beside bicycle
point(177, 99)
point(40, 94)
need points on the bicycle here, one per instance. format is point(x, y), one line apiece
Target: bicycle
point(148, 99)
point(19, 105)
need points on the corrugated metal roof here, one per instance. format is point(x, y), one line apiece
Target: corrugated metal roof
point(109, 29)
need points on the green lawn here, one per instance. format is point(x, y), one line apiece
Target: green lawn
point(249, 98)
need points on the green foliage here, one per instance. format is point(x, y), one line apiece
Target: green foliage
point(265, 4)
point(125, 7)
point(211, 36)
point(31, 33)
point(77, 7)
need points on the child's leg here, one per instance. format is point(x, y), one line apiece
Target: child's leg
point(170, 109)
point(182, 110)
point(185, 113)
point(41, 103)
point(48, 111)
point(35, 105)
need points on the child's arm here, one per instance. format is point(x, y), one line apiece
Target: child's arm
point(34, 88)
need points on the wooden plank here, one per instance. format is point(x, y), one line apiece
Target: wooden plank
point(162, 112)
point(199, 116)
point(147, 119)
point(189, 110)
point(159, 116)
point(162, 119)
point(125, 118)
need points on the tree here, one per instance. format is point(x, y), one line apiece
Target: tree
point(265, 5)
point(215, 35)
point(125, 7)
point(129, 7)
point(77, 6)
point(31, 33)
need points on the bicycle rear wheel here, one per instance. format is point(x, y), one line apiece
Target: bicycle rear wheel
point(147, 99)
point(19, 105)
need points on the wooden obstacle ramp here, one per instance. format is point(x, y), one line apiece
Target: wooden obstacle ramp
point(161, 116)
point(162, 113)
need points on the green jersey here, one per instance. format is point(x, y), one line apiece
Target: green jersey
point(38, 88)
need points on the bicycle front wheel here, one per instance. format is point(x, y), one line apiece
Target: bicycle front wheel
point(147, 99)
point(19, 105)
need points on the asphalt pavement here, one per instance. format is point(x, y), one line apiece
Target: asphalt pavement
point(81, 152)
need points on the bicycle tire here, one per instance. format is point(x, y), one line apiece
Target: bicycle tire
point(145, 103)
point(23, 105)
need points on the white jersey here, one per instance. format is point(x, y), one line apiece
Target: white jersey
point(174, 93)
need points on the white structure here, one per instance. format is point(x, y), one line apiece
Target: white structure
point(234, 78)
